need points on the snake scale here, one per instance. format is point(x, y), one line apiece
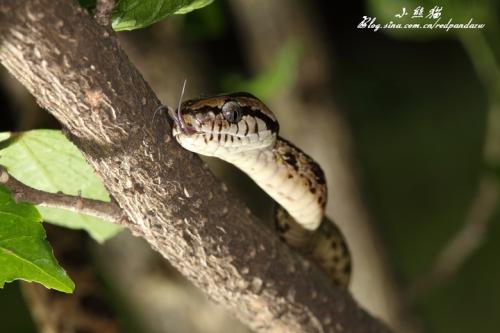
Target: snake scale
point(240, 129)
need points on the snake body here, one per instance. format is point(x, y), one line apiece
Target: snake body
point(241, 130)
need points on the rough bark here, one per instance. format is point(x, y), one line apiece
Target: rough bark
point(77, 71)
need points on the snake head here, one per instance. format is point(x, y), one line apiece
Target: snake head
point(225, 124)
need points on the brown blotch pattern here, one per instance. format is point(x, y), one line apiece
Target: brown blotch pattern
point(303, 166)
point(325, 247)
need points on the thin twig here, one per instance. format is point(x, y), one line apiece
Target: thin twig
point(461, 246)
point(23, 193)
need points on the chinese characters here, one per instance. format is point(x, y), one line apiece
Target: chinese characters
point(418, 12)
point(433, 20)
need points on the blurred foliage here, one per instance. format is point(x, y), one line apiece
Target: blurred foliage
point(419, 127)
point(419, 123)
point(419, 110)
point(280, 75)
point(207, 24)
point(470, 301)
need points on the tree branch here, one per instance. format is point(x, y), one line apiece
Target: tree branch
point(78, 72)
point(109, 211)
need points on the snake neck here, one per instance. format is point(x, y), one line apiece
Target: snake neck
point(290, 177)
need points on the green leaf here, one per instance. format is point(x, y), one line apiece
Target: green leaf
point(24, 252)
point(46, 160)
point(4, 136)
point(135, 14)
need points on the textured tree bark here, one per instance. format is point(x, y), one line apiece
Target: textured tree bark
point(77, 71)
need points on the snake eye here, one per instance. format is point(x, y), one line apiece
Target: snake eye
point(232, 112)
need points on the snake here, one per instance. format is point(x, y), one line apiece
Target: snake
point(240, 129)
